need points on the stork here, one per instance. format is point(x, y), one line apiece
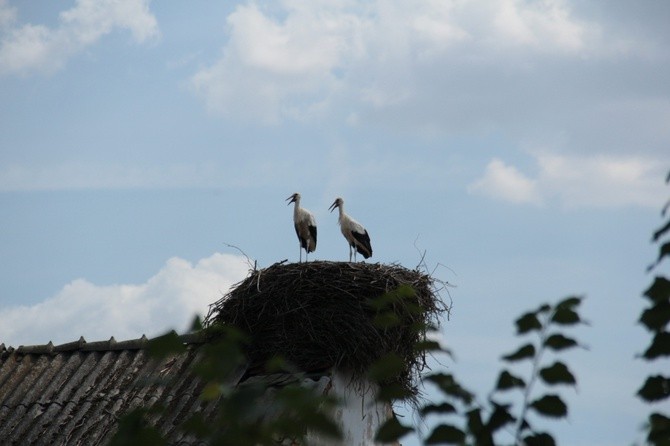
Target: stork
point(305, 226)
point(356, 235)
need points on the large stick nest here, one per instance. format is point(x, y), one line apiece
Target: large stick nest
point(319, 315)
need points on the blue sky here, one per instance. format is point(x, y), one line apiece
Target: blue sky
point(522, 144)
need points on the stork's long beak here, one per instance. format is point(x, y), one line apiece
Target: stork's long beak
point(333, 206)
point(291, 198)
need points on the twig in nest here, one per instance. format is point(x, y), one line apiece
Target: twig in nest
point(252, 266)
point(444, 285)
point(422, 262)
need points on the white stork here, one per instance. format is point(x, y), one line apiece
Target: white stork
point(354, 232)
point(305, 226)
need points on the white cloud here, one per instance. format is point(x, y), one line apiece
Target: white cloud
point(547, 24)
point(38, 48)
point(603, 180)
point(91, 19)
point(271, 68)
point(291, 56)
point(579, 181)
point(7, 14)
point(505, 182)
point(168, 300)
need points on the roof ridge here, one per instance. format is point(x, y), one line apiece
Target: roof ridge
point(196, 337)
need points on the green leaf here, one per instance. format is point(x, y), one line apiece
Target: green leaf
point(211, 391)
point(429, 346)
point(527, 322)
point(320, 423)
point(442, 408)
point(392, 392)
point(655, 388)
point(565, 316)
point(569, 303)
point(659, 429)
point(279, 364)
point(446, 433)
point(392, 431)
point(500, 417)
point(197, 425)
point(387, 300)
point(550, 406)
point(542, 439)
point(196, 325)
point(557, 373)
point(165, 345)
point(133, 428)
point(387, 367)
point(475, 423)
point(660, 346)
point(481, 433)
point(657, 235)
point(450, 386)
point(388, 319)
point(559, 342)
point(508, 381)
point(659, 291)
point(663, 251)
point(524, 352)
point(405, 291)
point(565, 312)
point(656, 317)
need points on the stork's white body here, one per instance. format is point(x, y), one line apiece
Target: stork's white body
point(305, 226)
point(354, 232)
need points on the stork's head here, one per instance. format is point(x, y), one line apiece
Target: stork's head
point(336, 204)
point(293, 198)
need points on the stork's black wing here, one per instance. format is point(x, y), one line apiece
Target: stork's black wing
point(363, 243)
point(312, 232)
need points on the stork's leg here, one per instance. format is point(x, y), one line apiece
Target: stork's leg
point(349, 253)
point(300, 253)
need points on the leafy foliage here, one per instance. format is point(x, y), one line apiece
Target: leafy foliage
point(391, 430)
point(466, 420)
point(508, 381)
point(446, 433)
point(655, 388)
point(659, 430)
point(656, 319)
point(134, 428)
point(242, 416)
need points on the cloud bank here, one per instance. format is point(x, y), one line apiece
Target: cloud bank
point(577, 181)
point(542, 71)
point(506, 183)
point(293, 58)
point(168, 300)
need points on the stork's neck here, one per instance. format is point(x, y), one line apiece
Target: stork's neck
point(340, 209)
point(296, 207)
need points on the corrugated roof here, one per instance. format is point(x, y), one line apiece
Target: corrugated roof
point(74, 393)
